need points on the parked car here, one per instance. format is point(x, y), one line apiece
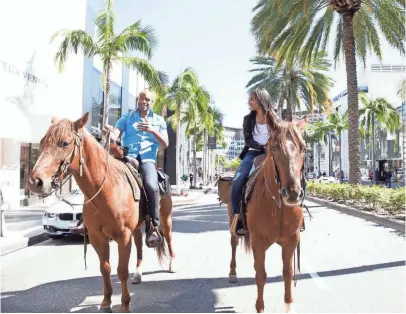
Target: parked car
point(327, 180)
point(60, 216)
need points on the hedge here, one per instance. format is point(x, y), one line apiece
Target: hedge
point(367, 197)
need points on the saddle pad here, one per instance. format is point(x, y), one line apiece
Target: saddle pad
point(249, 186)
point(135, 181)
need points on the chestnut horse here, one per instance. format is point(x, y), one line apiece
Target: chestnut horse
point(274, 214)
point(110, 211)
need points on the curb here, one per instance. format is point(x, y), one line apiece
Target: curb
point(21, 243)
point(384, 221)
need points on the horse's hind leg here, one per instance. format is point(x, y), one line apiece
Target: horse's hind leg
point(287, 254)
point(102, 249)
point(137, 277)
point(234, 242)
point(124, 251)
point(165, 213)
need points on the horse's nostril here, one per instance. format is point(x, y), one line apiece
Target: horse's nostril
point(38, 182)
point(301, 194)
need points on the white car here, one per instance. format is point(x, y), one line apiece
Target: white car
point(60, 216)
point(327, 180)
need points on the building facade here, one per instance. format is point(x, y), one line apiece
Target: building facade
point(33, 90)
point(376, 80)
point(234, 139)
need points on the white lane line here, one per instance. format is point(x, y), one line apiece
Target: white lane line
point(318, 281)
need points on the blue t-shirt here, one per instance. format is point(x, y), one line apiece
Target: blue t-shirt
point(138, 142)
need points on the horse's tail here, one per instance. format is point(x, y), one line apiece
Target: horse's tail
point(247, 242)
point(161, 252)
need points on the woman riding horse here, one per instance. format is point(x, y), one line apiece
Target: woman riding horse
point(256, 135)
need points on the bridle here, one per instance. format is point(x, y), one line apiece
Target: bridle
point(57, 179)
point(278, 181)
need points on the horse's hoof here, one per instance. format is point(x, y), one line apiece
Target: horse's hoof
point(172, 267)
point(232, 278)
point(124, 309)
point(137, 278)
point(106, 309)
point(289, 308)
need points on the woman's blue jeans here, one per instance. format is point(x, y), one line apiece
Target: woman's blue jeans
point(240, 178)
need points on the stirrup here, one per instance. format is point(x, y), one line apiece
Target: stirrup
point(155, 243)
point(235, 229)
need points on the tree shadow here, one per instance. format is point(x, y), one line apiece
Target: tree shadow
point(84, 295)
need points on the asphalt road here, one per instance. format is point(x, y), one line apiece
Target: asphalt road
point(348, 265)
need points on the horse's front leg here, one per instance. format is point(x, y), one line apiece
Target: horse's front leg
point(124, 251)
point(232, 276)
point(287, 254)
point(102, 248)
point(259, 248)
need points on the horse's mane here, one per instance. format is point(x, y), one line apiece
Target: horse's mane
point(287, 130)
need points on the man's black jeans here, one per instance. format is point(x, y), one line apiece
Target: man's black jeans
point(150, 179)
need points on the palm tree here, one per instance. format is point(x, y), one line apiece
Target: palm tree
point(293, 81)
point(338, 123)
point(380, 111)
point(305, 26)
point(112, 48)
point(185, 92)
point(402, 89)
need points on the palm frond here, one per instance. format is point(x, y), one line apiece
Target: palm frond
point(74, 41)
point(134, 37)
point(156, 79)
point(105, 22)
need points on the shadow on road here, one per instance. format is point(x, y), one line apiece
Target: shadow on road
point(203, 218)
point(185, 295)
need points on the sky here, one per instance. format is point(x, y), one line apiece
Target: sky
point(213, 37)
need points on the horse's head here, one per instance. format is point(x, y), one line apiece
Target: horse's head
point(287, 148)
point(58, 148)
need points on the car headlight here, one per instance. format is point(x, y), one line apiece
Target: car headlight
point(51, 215)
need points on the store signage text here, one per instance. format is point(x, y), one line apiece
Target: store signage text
point(9, 68)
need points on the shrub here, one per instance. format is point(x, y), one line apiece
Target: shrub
point(391, 200)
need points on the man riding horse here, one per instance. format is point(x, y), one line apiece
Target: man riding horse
point(144, 131)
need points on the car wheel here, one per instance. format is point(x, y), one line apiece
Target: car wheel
point(55, 237)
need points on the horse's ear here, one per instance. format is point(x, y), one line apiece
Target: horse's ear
point(55, 119)
point(301, 124)
point(271, 120)
point(80, 123)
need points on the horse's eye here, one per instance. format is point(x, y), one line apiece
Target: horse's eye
point(65, 144)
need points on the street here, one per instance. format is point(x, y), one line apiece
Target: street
point(347, 265)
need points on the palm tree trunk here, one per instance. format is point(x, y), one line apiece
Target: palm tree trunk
point(352, 87)
point(194, 161)
point(341, 165)
point(105, 116)
point(373, 146)
point(178, 150)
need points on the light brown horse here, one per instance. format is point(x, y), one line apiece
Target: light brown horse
point(110, 210)
point(274, 214)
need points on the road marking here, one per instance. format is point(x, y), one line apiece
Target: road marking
point(318, 281)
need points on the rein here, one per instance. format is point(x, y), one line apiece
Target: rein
point(56, 178)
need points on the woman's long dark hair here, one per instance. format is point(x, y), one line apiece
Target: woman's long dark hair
point(265, 102)
point(263, 98)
